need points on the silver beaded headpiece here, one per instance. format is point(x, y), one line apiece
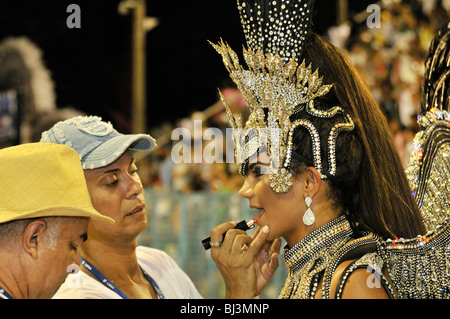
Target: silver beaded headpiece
point(428, 170)
point(276, 85)
point(436, 89)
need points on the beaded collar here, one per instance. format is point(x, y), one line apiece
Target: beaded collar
point(307, 259)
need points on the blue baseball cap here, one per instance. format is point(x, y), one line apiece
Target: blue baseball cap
point(98, 144)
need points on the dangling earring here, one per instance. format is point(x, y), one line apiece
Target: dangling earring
point(308, 217)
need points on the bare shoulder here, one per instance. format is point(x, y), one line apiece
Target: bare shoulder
point(360, 283)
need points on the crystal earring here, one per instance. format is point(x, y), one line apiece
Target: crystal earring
point(308, 217)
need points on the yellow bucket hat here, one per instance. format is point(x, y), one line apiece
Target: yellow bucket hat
point(43, 179)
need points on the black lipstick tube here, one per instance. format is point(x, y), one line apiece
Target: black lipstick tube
point(243, 225)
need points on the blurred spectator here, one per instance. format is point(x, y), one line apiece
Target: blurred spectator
point(22, 70)
point(391, 58)
point(218, 176)
point(43, 121)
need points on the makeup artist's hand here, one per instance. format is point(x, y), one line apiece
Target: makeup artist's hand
point(242, 260)
point(266, 261)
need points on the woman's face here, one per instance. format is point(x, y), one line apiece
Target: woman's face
point(116, 191)
point(281, 212)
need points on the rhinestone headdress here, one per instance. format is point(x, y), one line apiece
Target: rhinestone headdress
point(428, 170)
point(436, 89)
point(276, 85)
point(420, 267)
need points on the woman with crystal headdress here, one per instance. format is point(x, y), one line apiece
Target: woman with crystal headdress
point(319, 165)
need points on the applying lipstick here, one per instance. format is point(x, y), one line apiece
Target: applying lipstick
point(243, 225)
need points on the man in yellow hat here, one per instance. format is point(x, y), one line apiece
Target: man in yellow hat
point(44, 213)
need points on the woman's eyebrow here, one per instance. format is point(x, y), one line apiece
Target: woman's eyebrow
point(257, 163)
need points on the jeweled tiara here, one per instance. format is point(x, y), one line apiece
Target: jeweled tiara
point(276, 85)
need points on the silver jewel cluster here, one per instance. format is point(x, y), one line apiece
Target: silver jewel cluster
point(281, 30)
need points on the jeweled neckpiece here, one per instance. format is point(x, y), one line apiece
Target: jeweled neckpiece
point(309, 257)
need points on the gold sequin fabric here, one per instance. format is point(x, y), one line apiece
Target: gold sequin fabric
point(428, 171)
point(419, 268)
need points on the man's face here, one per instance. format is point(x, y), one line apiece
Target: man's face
point(53, 262)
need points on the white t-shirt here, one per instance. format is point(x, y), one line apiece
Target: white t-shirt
point(173, 282)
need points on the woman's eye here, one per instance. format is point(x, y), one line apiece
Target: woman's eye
point(260, 170)
point(257, 171)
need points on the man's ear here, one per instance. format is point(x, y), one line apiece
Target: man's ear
point(33, 236)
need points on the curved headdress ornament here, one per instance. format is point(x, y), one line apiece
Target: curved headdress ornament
point(420, 267)
point(276, 85)
point(436, 90)
point(429, 166)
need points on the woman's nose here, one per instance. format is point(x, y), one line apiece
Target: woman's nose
point(246, 190)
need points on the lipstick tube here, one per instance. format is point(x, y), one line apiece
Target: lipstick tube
point(243, 225)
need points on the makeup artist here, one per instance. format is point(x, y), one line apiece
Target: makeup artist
point(112, 265)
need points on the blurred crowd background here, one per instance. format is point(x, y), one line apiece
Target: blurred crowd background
point(185, 200)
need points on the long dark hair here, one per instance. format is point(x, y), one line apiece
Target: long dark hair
point(370, 182)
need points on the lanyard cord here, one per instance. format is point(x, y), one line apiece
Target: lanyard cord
point(111, 286)
point(5, 293)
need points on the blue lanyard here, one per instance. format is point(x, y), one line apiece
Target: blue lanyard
point(111, 286)
point(5, 293)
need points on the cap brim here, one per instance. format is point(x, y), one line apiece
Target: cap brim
point(112, 149)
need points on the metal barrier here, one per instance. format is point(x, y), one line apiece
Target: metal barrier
point(177, 222)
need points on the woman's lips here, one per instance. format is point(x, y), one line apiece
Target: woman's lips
point(261, 212)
